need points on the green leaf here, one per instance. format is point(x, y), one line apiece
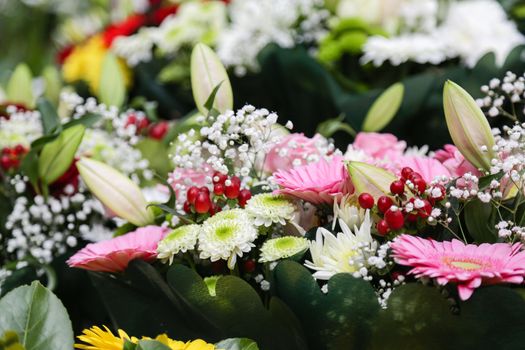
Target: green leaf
point(112, 90)
point(480, 219)
point(122, 230)
point(485, 181)
point(19, 87)
point(53, 84)
point(50, 118)
point(156, 152)
point(384, 108)
point(57, 155)
point(211, 99)
point(237, 344)
point(88, 120)
point(29, 167)
point(129, 345)
point(38, 317)
point(151, 345)
point(207, 72)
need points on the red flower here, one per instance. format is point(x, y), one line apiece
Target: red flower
point(125, 28)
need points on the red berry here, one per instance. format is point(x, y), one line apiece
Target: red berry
point(244, 196)
point(193, 191)
point(204, 189)
point(420, 185)
point(219, 178)
point(5, 162)
point(366, 201)
point(426, 210)
point(6, 151)
point(20, 149)
point(384, 203)
point(187, 207)
point(249, 266)
point(15, 163)
point(159, 130)
point(382, 227)
point(414, 176)
point(397, 187)
point(412, 217)
point(406, 172)
point(143, 124)
point(394, 219)
point(232, 191)
point(202, 203)
point(218, 189)
point(132, 120)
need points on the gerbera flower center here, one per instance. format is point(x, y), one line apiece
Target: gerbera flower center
point(465, 264)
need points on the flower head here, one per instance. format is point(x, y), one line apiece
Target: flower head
point(268, 209)
point(454, 161)
point(381, 146)
point(347, 211)
point(181, 239)
point(104, 339)
point(282, 247)
point(115, 254)
point(468, 265)
point(226, 235)
point(345, 252)
point(296, 150)
point(320, 182)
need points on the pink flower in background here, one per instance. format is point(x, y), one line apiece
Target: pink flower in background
point(428, 168)
point(454, 161)
point(295, 150)
point(115, 254)
point(319, 182)
point(468, 265)
point(381, 146)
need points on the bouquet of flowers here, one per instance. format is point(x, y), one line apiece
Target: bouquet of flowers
point(288, 241)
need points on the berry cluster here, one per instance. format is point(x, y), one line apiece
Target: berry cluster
point(142, 125)
point(12, 156)
point(411, 200)
point(225, 190)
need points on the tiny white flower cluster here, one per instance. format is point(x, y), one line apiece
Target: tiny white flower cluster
point(257, 23)
point(233, 143)
point(43, 229)
point(503, 97)
point(21, 127)
point(509, 230)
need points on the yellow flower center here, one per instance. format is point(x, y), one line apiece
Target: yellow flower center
point(465, 264)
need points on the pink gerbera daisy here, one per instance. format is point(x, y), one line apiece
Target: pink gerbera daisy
point(319, 182)
point(468, 265)
point(115, 254)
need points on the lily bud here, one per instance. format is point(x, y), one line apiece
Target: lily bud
point(116, 191)
point(467, 126)
point(368, 178)
point(207, 72)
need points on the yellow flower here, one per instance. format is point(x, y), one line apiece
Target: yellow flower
point(96, 338)
point(85, 63)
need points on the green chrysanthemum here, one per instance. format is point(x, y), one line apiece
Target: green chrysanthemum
point(226, 235)
point(283, 247)
point(181, 239)
point(268, 209)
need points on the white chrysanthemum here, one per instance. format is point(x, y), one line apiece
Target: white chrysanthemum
point(226, 235)
point(268, 209)
point(345, 252)
point(282, 247)
point(347, 212)
point(181, 239)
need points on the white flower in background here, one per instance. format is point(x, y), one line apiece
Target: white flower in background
point(476, 27)
point(345, 252)
point(115, 152)
point(347, 212)
point(226, 235)
point(156, 194)
point(470, 30)
point(282, 247)
point(257, 23)
point(134, 48)
point(96, 232)
point(268, 209)
point(21, 128)
point(181, 239)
